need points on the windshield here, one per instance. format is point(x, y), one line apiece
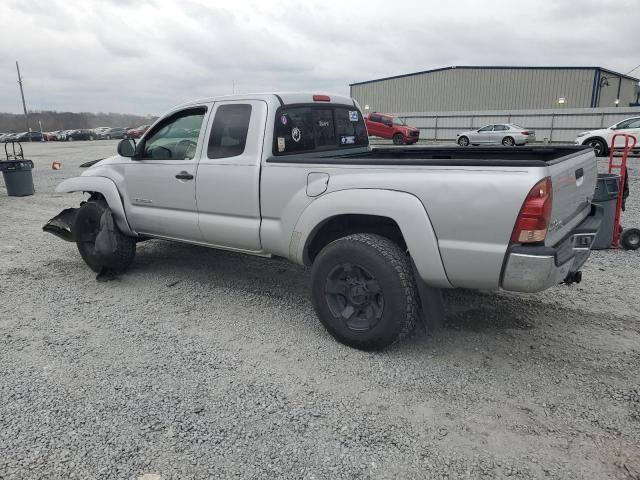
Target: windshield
point(399, 121)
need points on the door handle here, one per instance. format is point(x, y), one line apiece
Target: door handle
point(184, 176)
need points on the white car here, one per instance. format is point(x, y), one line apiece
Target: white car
point(507, 134)
point(600, 140)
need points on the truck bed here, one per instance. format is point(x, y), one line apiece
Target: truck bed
point(528, 156)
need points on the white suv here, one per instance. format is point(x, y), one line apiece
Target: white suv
point(600, 140)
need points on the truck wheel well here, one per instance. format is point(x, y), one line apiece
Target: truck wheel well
point(343, 225)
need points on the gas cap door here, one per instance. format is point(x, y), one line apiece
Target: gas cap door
point(317, 183)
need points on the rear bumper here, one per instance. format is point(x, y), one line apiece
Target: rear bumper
point(536, 268)
point(524, 139)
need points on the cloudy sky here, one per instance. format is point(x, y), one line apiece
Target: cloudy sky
point(143, 56)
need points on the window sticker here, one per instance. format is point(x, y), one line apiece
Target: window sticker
point(353, 115)
point(296, 135)
point(347, 139)
point(281, 144)
point(283, 119)
point(322, 123)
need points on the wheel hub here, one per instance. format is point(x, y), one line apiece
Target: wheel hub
point(354, 296)
point(358, 293)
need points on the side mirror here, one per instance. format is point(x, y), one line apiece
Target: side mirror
point(127, 147)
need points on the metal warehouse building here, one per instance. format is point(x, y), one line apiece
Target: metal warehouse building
point(498, 88)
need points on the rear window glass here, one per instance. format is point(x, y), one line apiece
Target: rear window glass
point(316, 128)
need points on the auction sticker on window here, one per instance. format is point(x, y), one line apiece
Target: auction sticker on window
point(353, 115)
point(281, 144)
point(347, 139)
point(283, 119)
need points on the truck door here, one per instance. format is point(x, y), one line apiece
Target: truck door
point(228, 180)
point(159, 185)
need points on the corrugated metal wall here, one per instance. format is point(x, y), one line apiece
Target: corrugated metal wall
point(554, 125)
point(609, 93)
point(489, 89)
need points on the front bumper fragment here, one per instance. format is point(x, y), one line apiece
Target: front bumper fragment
point(61, 225)
point(536, 268)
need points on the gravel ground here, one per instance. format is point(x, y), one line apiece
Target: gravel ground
point(200, 363)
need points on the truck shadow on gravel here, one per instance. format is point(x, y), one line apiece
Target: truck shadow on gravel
point(466, 310)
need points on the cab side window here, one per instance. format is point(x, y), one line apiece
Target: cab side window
point(229, 131)
point(176, 137)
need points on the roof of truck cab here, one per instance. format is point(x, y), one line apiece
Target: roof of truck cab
point(284, 98)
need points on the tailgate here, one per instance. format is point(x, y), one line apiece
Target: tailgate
point(574, 181)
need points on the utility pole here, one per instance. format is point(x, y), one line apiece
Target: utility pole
point(24, 105)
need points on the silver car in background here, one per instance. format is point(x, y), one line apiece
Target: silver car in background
point(507, 134)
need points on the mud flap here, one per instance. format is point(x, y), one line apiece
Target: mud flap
point(106, 240)
point(432, 311)
point(61, 225)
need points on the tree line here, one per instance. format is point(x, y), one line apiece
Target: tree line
point(52, 120)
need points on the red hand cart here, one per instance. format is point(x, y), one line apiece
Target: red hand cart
point(629, 239)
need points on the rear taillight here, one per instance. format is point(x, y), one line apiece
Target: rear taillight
point(321, 98)
point(524, 133)
point(535, 214)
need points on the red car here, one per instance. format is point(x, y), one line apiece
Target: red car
point(137, 132)
point(387, 126)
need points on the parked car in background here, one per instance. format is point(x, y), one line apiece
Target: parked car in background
point(24, 137)
point(100, 131)
point(507, 134)
point(600, 140)
point(81, 134)
point(138, 131)
point(52, 136)
point(387, 126)
point(5, 136)
point(115, 132)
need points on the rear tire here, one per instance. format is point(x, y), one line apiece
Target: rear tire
point(599, 147)
point(364, 291)
point(398, 139)
point(108, 137)
point(630, 239)
point(70, 139)
point(508, 141)
point(463, 141)
point(86, 229)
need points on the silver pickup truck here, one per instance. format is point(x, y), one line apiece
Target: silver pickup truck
point(292, 175)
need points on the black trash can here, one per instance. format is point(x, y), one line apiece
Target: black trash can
point(606, 195)
point(17, 177)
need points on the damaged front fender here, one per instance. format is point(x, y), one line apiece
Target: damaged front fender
point(62, 224)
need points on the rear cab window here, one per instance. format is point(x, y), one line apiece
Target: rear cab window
point(313, 128)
